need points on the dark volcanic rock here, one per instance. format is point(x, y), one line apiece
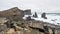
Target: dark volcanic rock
point(35, 15)
point(27, 12)
point(44, 15)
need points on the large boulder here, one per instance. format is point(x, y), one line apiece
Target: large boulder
point(15, 13)
point(12, 14)
point(35, 15)
point(3, 26)
point(27, 12)
point(44, 15)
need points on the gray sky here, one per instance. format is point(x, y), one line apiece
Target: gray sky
point(38, 5)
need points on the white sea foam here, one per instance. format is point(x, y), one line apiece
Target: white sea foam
point(53, 19)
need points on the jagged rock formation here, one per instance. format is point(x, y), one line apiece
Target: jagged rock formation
point(35, 15)
point(27, 12)
point(27, 27)
point(44, 15)
point(14, 13)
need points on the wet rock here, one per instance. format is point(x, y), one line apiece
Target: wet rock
point(35, 15)
point(28, 18)
point(44, 15)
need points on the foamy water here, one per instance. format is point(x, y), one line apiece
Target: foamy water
point(53, 19)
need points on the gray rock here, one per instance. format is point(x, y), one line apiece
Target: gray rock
point(3, 28)
point(44, 15)
point(27, 12)
point(35, 15)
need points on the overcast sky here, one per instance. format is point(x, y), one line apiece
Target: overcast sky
point(38, 5)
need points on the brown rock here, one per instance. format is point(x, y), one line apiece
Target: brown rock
point(11, 31)
point(12, 14)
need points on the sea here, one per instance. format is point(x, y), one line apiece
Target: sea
point(53, 18)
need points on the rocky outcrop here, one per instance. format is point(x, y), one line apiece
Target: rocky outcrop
point(20, 27)
point(11, 22)
point(26, 27)
point(27, 12)
point(44, 15)
point(35, 15)
point(14, 13)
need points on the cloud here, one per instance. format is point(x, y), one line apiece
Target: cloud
point(43, 5)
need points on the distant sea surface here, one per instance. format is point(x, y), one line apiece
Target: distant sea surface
point(56, 14)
